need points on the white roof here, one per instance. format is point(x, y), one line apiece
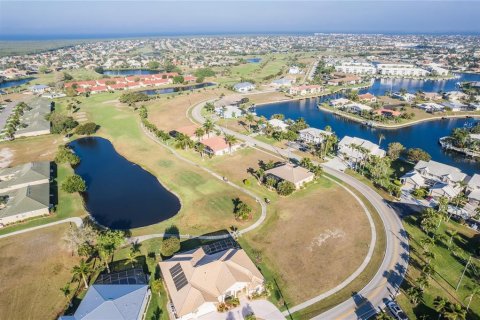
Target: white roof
point(346, 143)
point(446, 189)
point(359, 106)
point(441, 170)
point(277, 123)
point(475, 195)
point(315, 132)
point(474, 182)
point(111, 302)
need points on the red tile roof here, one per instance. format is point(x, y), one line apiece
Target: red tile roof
point(215, 143)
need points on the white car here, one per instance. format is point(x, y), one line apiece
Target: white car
point(396, 311)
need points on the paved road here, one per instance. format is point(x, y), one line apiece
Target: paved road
point(390, 275)
point(78, 222)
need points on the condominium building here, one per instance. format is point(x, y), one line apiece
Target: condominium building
point(402, 70)
point(356, 68)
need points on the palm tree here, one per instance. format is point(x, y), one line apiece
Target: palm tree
point(104, 255)
point(455, 311)
point(230, 140)
point(183, 142)
point(429, 257)
point(440, 304)
point(415, 294)
point(199, 133)
point(423, 282)
point(453, 235)
point(66, 290)
point(383, 316)
point(381, 136)
point(200, 148)
point(131, 258)
point(83, 269)
point(249, 118)
point(474, 292)
point(208, 126)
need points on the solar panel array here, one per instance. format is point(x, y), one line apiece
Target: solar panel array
point(129, 276)
point(178, 276)
point(221, 245)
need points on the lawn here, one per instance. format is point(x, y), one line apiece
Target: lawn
point(33, 267)
point(448, 269)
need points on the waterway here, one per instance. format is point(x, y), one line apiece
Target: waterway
point(424, 135)
point(253, 60)
point(120, 194)
point(153, 92)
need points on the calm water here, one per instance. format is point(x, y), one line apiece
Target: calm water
point(14, 83)
point(134, 72)
point(120, 194)
point(424, 135)
point(254, 60)
point(153, 92)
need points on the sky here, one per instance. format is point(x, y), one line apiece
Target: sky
point(69, 19)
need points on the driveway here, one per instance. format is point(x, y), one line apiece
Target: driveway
point(262, 309)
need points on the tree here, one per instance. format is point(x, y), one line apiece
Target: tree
point(153, 65)
point(200, 148)
point(241, 210)
point(184, 142)
point(132, 258)
point(61, 123)
point(417, 154)
point(439, 303)
point(74, 183)
point(285, 188)
point(131, 98)
point(178, 79)
point(204, 73)
point(43, 69)
point(199, 133)
point(87, 128)
point(209, 107)
point(230, 139)
point(415, 294)
point(208, 126)
point(156, 286)
point(67, 77)
point(383, 316)
point(66, 290)
point(83, 269)
point(394, 151)
point(107, 243)
point(64, 154)
point(249, 118)
point(99, 69)
point(455, 311)
point(170, 246)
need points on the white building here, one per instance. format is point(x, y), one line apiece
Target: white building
point(431, 107)
point(407, 97)
point(437, 70)
point(401, 70)
point(294, 70)
point(278, 124)
point(353, 150)
point(340, 102)
point(473, 190)
point(356, 68)
point(229, 111)
point(313, 135)
point(356, 107)
point(244, 87)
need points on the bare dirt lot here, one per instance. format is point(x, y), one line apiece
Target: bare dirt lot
point(33, 267)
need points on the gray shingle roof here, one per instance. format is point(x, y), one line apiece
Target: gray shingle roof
point(26, 199)
point(24, 174)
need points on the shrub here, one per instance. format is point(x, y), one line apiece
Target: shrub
point(61, 123)
point(65, 155)
point(285, 188)
point(74, 183)
point(247, 182)
point(132, 97)
point(156, 285)
point(86, 128)
point(241, 210)
point(170, 246)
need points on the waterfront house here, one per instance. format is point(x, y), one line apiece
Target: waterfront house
point(367, 97)
point(340, 102)
point(244, 87)
point(278, 124)
point(474, 106)
point(197, 281)
point(407, 97)
point(455, 106)
point(432, 96)
point(306, 90)
point(354, 150)
point(441, 179)
point(289, 172)
point(401, 70)
point(38, 88)
point(218, 146)
point(313, 135)
point(356, 107)
point(229, 111)
point(431, 107)
point(388, 113)
point(347, 80)
point(122, 295)
point(281, 83)
point(473, 190)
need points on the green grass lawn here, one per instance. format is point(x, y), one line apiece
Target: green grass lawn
point(448, 269)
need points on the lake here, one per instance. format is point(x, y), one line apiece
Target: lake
point(153, 92)
point(253, 60)
point(14, 83)
point(132, 72)
point(423, 135)
point(120, 194)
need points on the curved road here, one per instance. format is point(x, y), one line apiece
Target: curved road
point(388, 278)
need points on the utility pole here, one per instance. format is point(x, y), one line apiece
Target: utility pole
point(463, 273)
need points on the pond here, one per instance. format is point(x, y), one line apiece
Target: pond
point(253, 60)
point(120, 194)
point(153, 92)
point(14, 83)
point(129, 72)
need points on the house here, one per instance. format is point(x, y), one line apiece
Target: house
point(431, 107)
point(340, 102)
point(33, 122)
point(455, 106)
point(229, 111)
point(388, 113)
point(279, 83)
point(278, 124)
point(432, 96)
point(24, 175)
point(348, 80)
point(356, 107)
point(442, 179)
point(294, 70)
point(121, 296)
point(218, 146)
point(313, 135)
point(353, 150)
point(244, 87)
point(24, 203)
point(189, 131)
point(407, 97)
point(38, 88)
point(367, 97)
point(474, 106)
point(473, 190)
point(292, 173)
point(197, 282)
point(305, 90)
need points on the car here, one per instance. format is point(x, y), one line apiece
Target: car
point(396, 311)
